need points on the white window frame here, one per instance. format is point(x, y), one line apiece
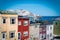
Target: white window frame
point(25, 33)
point(50, 34)
point(11, 20)
point(25, 23)
point(19, 23)
point(50, 27)
point(3, 20)
point(4, 35)
point(13, 35)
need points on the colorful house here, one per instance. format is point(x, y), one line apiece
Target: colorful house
point(49, 32)
point(8, 25)
point(42, 32)
point(56, 29)
point(34, 31)
point(23, 28)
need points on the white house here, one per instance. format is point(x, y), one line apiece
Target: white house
point(34, 31)
point(49, 32)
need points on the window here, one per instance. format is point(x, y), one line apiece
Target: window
point(19, 36)
point(3, 36)
point(47, 28)
point(50, 28)
point(25, 33)
point(44, 35)
point(19, 23)
point(35, 26)
point(56, 23)
point(25, 23)
point(12, 20)
point(12, 34)
point(50, 34)
point(4, 20)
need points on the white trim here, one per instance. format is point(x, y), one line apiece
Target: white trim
point(19, 23)
point(12, 21)
point(26, 33)
point(26, 23)
point(12, 32)
point(5, 35)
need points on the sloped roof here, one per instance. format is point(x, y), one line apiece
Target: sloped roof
point(7, 12)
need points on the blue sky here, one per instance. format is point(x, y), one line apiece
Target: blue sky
point(40, 7)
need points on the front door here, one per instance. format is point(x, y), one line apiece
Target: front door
point(19, 36)
point(3, 36)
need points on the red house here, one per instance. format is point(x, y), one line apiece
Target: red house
point(23, 28)
point(43, 32)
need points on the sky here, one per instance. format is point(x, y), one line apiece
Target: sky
point(38, 7)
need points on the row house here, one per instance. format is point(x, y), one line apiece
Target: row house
point(13, 27)
point(8, 25)
point(23, 28)
point(34, 31)
point(42, 32)
point(56, 29)
point(46, 32)
point(49, 32)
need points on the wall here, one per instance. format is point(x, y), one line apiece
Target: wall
point(22, 28)
point(9, 27)
point(56, 28)
point(34, 31)
point(49, 31)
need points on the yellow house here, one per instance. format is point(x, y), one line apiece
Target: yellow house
point(8, 25)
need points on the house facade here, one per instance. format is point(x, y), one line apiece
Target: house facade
point(42, 32)
point(34, 31)
point(8, 26)
point(23, 28)
point(49, 32)
point(56, 29)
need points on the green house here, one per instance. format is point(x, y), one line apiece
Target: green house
point(56, 29)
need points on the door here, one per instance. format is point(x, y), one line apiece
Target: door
point(3, 36)
point(19, 36)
